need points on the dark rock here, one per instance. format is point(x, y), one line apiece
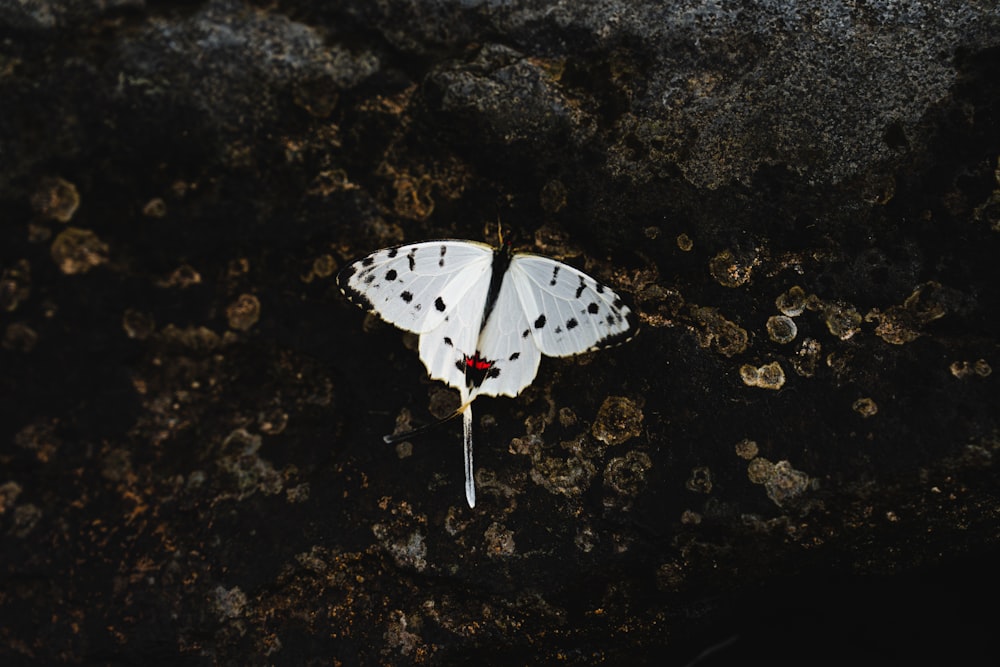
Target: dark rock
point(799, 199)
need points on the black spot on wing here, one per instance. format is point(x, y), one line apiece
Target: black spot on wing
point(439, 304)
point(411, 257)
point(558, 330)
point(444, 249)
point(571, 323)
point(368, 261)
point(514, 357)
point(555, 274)
point(390, 275)
point(600, 288)
point(524, 334)
point(593, 308)
point(406, 296)
point(540, 322)
point(582, 286)
point(369, 279)
point(392, 252)
point(447, 341)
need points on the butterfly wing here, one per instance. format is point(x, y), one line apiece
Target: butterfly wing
point(568, 311)
point(415, 286)
point(448, 347)
point(507, 346)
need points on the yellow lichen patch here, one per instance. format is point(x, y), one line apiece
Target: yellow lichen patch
point(684, 242)
point(759, 469)
point(965, 369)
point(618, 420)
point(842, 319)
point(781, 481)
point(902, 324)
point(201, 339)
point(730, 270)
point(77, 250)
point(155, 208)
point(237, 267)
point(55, 199)
point(499, 541)
point(690, 518)
point(550, 238)
point(183, 276)
point(807, 358)
point(769, 376)
point(330, 181)
point(658, 305)
point(272, 420)
point(700, 480)
point(626, 475)
point(15, 285)
point(403, 538)
point(746, 449)
point(781, 329)
point(894, 325)
point(323, 266)
point(231, 603)
point(243, 313)
point(246, 472)
point(792, 302)
point(413, 196)
point(725, 337)
point(865, 407)
point(569, 477)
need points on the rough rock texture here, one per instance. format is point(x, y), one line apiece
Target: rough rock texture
point(796, 459)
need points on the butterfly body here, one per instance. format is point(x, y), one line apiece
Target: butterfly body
point(486, 315)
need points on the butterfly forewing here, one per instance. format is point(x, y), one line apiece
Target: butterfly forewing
point(413, 286)
point(569, 311)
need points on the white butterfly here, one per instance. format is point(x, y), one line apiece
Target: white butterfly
point(486, 315)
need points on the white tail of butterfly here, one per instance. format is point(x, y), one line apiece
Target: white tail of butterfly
point(485, 316)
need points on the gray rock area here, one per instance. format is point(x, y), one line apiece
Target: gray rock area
point(793, 461)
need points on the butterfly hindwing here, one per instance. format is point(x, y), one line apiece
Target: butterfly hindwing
point(413, 286)
point(507, 345)
point(569, 312)
point(446, 348)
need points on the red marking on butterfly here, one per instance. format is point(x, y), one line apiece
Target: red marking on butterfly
point(478, 363)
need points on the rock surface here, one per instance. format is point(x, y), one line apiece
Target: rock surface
point(796, 458)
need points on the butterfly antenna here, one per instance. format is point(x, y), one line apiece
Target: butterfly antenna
point(487, 232)
point(393, 438)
